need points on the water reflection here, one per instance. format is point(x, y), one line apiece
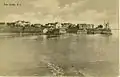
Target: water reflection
point(93, 55)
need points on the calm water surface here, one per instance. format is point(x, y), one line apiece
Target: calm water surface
point(92, 55)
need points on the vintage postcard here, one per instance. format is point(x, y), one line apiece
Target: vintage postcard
point(77, 38)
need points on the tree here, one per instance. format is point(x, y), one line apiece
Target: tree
point(100, 26)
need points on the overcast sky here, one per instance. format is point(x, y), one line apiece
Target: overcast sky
point(75, 11)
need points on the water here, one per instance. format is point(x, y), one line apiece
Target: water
point(92, 55)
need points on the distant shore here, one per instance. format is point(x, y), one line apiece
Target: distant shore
point(56, 28)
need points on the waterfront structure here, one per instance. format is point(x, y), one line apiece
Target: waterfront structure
point(57, 28)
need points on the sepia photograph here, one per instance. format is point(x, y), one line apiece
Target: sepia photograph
point(59, 38)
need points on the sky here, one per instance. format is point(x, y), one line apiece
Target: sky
point(74, 11)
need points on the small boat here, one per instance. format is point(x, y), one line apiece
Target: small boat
point(106, 31)
point(52, 36)
point(82, 31)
